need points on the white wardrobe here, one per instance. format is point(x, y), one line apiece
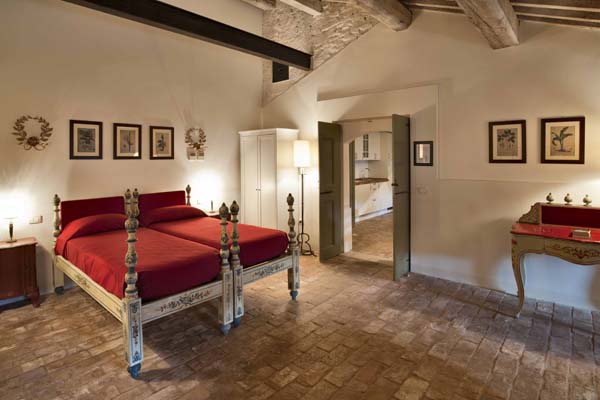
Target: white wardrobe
point(267, 176)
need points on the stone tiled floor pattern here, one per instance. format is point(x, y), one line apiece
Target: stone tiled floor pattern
point(373, 237)
point(353, 334)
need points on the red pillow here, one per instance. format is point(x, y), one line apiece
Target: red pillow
point(88, 226)
point(171, 213)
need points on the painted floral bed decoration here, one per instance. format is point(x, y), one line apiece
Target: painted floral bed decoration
point(32, 142)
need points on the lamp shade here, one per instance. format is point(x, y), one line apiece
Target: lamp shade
point(301, 153)
point(11, 207)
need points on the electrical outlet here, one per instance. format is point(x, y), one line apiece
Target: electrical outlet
point(38, 219)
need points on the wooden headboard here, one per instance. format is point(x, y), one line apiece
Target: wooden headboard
point(150, 201)
point(71, 210)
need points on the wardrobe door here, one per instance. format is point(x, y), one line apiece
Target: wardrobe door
point(250, 213)
point(268, 181)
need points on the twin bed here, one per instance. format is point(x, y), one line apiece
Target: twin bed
point(175, 257)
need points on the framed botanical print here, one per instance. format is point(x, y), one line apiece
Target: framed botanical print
point(563, 140)
point(127, 141)
point(508, 142)
point(423, 154)
point(161, 143)
point(85, 140)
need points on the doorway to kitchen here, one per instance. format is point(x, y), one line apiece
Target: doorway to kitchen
point(364, 185)
point(371, 197)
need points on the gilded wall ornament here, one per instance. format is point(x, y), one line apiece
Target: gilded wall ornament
point(32, 142)
point(195, 138)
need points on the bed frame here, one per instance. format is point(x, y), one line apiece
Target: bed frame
point(244, 275)
point(228, 287)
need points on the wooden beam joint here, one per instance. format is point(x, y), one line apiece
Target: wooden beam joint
point(495, 19)
point(391, 13)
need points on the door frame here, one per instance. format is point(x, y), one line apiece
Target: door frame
point(351, 176)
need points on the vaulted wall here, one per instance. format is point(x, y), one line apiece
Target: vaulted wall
point(464, 206)
point(64, 62)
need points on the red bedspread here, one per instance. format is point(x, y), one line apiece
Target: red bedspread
point(256, 244)
point(166, 264)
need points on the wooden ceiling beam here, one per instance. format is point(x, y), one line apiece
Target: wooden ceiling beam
point(391, 13)
point(265, 5)
point(312, 7)
point(495, 19)
point(173, 19)
point(593, 4)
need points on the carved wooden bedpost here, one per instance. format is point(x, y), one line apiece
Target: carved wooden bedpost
point(59, 276)
point(188, 191)
point(225, 306)
point(131, 312)
point(238, 272)
point(294, 272)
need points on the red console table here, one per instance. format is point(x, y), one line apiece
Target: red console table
point(548, 229)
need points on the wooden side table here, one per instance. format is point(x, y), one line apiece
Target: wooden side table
point(215, 214)
point(17, 270)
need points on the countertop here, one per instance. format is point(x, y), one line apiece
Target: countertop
point(368, 181)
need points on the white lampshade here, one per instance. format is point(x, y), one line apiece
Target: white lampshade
point(301, 153)
point(12, 207)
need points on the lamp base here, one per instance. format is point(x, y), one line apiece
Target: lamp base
point(304, 238)
point(11, 240)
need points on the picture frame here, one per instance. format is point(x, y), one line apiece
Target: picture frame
point(423, 153)
point(162, 143)
point(508, 142)
point(563, 140)
point(127, 141)
point(85, 140)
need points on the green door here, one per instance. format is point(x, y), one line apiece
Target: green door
point(401, 192)
point(330, 190)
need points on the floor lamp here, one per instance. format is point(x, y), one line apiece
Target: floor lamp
point(302, 161)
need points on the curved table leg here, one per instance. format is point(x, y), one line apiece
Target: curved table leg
point(517, 258)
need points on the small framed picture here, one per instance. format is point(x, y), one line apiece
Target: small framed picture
point(161, 143)
point(423, 154)
point(508, 142)
point(85, 141)
point(127, 141)
point(563, 140)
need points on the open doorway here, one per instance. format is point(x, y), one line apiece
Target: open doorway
point(373, 153)
point(371, 199)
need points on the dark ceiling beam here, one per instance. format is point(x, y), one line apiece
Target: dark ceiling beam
point(561, 3)
point(561, 21)
point(558, 12)
point(495, 19)
point(170, 18)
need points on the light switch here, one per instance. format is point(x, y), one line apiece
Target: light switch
point(38, 219)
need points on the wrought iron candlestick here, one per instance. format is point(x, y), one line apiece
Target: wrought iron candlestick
point(11, 229)
point(303, 237)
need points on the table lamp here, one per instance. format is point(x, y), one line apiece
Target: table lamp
point(302, 161)
point(11, 210)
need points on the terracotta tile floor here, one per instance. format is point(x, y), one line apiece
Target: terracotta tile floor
point(373, 237)
point(353, 334)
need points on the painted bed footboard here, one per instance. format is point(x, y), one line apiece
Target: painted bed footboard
point(244, 276)
point(130, 311)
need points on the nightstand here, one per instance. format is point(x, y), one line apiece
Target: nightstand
point(215, 214)
point(17, 270)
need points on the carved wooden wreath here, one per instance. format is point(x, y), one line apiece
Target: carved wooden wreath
point(197, 143)
point(32, 142)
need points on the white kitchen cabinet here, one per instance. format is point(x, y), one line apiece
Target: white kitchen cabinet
point(368, 147)
point(267, 176)
point(371, 198)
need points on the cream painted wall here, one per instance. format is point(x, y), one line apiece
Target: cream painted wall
point(65, 62)
point(464, 207)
